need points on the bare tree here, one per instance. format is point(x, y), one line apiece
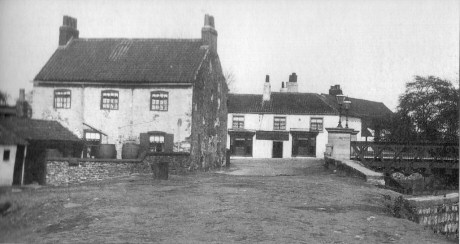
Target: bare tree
point(4, 98)
point(230, 79)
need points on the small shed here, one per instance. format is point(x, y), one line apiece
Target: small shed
point(9, 143)
point(41, 136)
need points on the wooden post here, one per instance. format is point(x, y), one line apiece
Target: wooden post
point(23, 165)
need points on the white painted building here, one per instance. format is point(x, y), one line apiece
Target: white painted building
point(289, 124)
point(168, 95)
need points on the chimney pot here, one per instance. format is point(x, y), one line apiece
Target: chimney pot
point(22, 95)
point(68, 30)
point(267, 89)
point(209, 34)
point(335, 90)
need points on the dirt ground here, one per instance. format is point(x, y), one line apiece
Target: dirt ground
point(270, 201)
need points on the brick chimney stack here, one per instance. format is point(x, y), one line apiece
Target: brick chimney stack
point(209, 33)
point(68, 30)
point(267, 89)
point(292, 84)
point(21, 106)
point(283, 87)
point(335, 90)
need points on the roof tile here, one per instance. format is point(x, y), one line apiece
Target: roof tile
point(125, 60)
point(34, 129)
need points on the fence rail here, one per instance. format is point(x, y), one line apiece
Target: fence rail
point(396, 155)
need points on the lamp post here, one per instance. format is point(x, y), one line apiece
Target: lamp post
point(347, 105)
point(340, 100)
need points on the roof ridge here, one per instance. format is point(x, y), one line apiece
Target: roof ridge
point(324, 100)
point(139, 39)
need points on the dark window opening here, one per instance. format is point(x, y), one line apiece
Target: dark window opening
point(62, 98)
point(159, 101)
point(303, 146)
point(157, 143)
point(241, 146)
point(279, 123)
point(316, 124)
point(92, 141)
point(6, 155)
point(109, 100)
point(238, 122)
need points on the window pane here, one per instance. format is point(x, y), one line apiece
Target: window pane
point(159, 101)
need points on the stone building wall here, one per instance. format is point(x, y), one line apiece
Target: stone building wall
point(209, 116)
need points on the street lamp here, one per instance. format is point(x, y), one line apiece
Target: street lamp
point(340, 100)
point(347, 105)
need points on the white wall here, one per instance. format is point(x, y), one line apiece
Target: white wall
point(263, 148)
point(7, 167)
point(132, 117)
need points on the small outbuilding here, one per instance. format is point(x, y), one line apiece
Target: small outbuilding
point(9, 143)
point(35, 140)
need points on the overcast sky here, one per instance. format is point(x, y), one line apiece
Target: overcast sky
point(370, 48)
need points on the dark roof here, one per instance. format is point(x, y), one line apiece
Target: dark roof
point(34, 129)
point(9, 138)
point(125, 60)
point(280, 103)
point(361, 108)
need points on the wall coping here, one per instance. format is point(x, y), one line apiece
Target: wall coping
point(111, 160)
point(371, 176)
point(434, 200)
point(168, 154)
point(340, 130)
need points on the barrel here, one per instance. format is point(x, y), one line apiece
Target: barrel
point(129, 150)
point(107, 151)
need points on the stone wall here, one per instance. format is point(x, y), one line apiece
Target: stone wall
point(61, 171)
point(179, 163)
point(439, 213)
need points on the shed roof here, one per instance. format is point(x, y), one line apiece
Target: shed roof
point(34, 129)
point(9, 138)
point(125, 60)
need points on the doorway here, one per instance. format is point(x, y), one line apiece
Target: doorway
point(277, 149)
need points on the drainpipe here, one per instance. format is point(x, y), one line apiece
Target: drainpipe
point(23, 165)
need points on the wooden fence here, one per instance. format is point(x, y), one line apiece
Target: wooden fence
point(387, 156)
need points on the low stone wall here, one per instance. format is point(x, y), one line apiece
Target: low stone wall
point(352, 168)
point(179, 162)
point(440, 213)
point(62, 171)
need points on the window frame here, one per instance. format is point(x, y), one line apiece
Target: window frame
point(316, 129)
point(110, 97)
point(62, 96)
point(6, 155)
point(91, 144)
point(280, 126)
point(240, 123)
point(153, 145)
point(159, 99)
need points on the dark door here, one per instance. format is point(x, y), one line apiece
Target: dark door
point(17, 173)
point(277, 149)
